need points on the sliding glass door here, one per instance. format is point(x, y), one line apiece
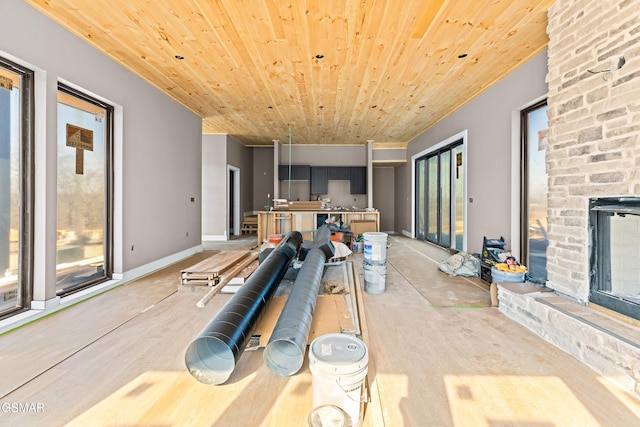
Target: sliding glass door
point(439, 196)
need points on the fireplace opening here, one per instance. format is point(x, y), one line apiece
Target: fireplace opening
point(614, 225)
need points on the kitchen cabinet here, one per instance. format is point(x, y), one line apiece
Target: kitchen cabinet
point(339, 173)
point(358, 178)
point(298, 172)
point(319, 180)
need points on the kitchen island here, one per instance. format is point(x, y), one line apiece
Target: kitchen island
point(307, 222)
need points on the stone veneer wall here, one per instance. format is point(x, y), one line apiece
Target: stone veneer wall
point(594, 125)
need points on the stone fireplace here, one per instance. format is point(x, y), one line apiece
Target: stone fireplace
point(594, 128)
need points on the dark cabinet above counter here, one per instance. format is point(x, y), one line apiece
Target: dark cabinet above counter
point(319, 180)
point(358, 179)
point(339, 173)
point(298, 172)
point(319, 177)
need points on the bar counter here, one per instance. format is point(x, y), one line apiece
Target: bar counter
point(307, 222)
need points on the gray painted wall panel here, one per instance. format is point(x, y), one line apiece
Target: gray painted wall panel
point(262, 177)
point(242, 157)
point(324, 155)
point(214, 185)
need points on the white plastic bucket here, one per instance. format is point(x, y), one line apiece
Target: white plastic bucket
point(374, 277)
point(375, 247)
point(338, 365)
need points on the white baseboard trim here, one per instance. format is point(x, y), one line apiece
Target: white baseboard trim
point(214, 238)
point(407, 233)
point(43, 308)
point(143, 270)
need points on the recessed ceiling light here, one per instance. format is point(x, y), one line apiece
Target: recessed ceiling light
point(321, 107)
point(319, 56)
point(422, 106)
point(374, 106)
point(269, 106)
point(464, 55)
point(180, 57)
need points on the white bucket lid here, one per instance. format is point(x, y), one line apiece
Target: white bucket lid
point(327, 416)
point(374, 235)
point(338, 354)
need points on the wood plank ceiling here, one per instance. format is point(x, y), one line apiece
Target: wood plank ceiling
point(331, 71)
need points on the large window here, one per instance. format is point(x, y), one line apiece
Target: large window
point(84, 191)
point(440, 196)
point(16, 187)
point(534, 191)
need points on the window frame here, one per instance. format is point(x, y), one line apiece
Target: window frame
point(26, 188)
point(109, 185)
point(524, 184)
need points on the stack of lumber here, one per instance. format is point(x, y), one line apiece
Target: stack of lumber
point(218, 270)
point(250, 224)
point(313, 205)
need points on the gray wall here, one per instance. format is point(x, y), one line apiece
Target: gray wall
point(324, 155)
point(383, 200)
point(262, 177)
point(214, 186)
point(242, 158)
point(161, 143)
point(488, 119)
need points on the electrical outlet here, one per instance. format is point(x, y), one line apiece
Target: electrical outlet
point(131, 248)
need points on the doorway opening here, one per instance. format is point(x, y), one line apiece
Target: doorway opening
point(233, 201)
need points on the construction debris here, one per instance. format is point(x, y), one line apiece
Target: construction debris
point(212, 274)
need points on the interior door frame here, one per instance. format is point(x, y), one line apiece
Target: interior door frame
point(235, 207)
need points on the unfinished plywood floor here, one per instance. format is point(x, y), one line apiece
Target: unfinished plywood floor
point(439, 357)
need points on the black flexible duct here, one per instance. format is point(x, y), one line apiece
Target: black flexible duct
point(212, 356)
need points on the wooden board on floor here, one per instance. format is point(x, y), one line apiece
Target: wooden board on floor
point(330, 316)
point(212, 268)
point(223, 267)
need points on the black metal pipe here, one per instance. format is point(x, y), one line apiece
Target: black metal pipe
point(212, 356)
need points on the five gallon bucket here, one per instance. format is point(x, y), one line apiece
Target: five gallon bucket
point(338, 365)
point(375, 247)
point(375, 262)
point(374, 277)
